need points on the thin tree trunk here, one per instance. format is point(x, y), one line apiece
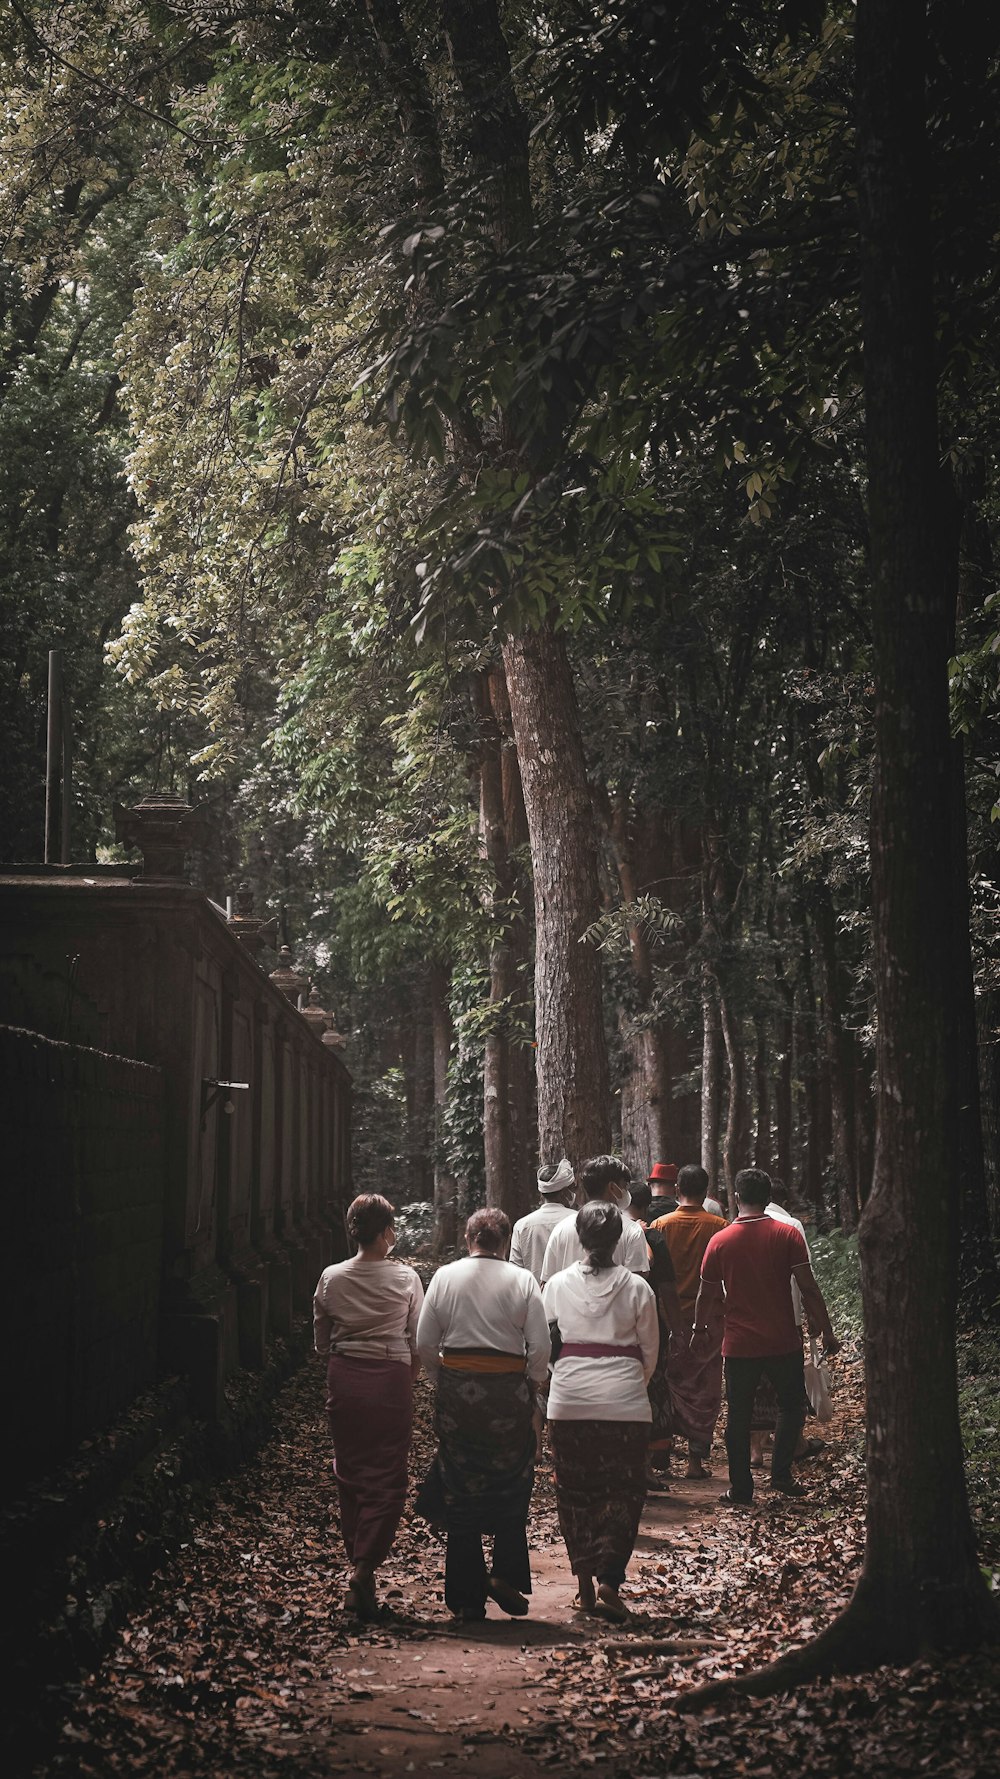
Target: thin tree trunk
point(783, 1097)
point(503, 973)
point(762, 1150)
point(736, 1152)
point(445, 1189)
point(712, 1056)
point(840, 1061)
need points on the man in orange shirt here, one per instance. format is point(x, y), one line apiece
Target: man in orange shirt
point(695, 1377)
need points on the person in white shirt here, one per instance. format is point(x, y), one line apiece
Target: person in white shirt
point(365, 1314)
point(530, 1235)
point(606, 1340)
point(604, 1179)
point(484, 1340)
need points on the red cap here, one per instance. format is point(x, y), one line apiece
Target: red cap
point(665, 1171)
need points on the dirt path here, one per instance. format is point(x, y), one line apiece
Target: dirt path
point(460, 1698)
point(243, 1665)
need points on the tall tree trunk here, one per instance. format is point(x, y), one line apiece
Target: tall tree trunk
point(988, 1027)
point(921, 1586)
point(807, 1049)
point(574, 1114)
point(646, 1095)
point(521, 1053)
point(839, 1058)
point(736, 1153)
point(712, 1056)
point(503, 969)
point(762, 1150)
point(783, 1094)
point(445, 1188)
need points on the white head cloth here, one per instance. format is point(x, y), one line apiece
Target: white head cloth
point(562, 1178)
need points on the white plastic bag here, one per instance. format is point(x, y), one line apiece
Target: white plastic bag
point(818, 1381)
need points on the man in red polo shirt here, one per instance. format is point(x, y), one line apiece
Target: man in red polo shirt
point(750, 1266)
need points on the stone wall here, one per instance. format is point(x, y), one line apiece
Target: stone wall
point(81, 1136)
point(255, 1177)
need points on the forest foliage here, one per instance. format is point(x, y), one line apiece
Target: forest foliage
point(292, 438)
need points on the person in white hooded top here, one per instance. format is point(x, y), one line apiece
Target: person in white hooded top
point(605, 1340)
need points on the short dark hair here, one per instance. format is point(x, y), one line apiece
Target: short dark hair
point(779, 1192)
point(599, 1227)
point(367, 1216)
point(642, 1195)
point(600, 1172)
point(753, 1186)
point(692, 1182)
point(489, 1229)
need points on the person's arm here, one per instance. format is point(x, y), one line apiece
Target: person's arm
point(817, 1314)
point(515, 1256)
point(707, 1308)
point(412, 1320)
point(647, 1327)
point(537, 1342)
point(429, 1333)
point(322, 1325)
point(671, 1313)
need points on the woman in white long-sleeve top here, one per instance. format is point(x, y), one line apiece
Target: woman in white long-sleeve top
point(364, 1324)
point(484, 1340)
point(599, 1413)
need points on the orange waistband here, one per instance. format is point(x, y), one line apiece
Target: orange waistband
point(482, 1362)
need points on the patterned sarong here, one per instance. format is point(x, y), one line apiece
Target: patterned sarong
point(660, 1401)
point(696, 1392)
point(484, 1468)
point(600, 1490)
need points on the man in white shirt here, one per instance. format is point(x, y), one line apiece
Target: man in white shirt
point(604, 1179)
point(531, 1233)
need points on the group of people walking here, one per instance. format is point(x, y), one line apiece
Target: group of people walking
point(611, 1321)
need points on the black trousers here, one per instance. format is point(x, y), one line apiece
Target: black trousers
point(465, 1566)
point(742, 1378)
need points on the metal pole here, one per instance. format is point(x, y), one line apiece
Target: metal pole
point(53, 756)
point(67, 778)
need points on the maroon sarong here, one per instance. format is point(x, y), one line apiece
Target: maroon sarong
point(695, 1378)
point(369, 1407)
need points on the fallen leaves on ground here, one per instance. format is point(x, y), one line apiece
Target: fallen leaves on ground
point(242, 1663)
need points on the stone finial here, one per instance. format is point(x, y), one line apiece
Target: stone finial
point(287, 978)
point(165, 828)
point(333, 1039)
point(252, 932)
point(316, 1016)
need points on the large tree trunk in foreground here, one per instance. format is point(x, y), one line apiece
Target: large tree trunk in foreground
point(574, 1115)
point(921, 1588)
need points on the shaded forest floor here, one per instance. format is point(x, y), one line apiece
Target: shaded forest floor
point(242, 1663)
